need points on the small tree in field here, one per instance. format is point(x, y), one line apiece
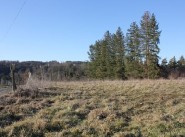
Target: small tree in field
point(12, 71)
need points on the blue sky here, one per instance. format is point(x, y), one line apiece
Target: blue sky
point(62, 30)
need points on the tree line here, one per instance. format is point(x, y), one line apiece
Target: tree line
point(134, 55)
point(50, 71)
point(77, 70)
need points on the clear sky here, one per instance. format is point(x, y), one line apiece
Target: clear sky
point(62, 30)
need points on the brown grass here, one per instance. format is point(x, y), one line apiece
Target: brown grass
point(96, 108)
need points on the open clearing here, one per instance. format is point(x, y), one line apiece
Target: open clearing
point(96, 108)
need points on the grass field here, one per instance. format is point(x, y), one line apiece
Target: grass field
point(154, 108)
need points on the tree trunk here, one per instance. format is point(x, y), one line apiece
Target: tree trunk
point(12, 69)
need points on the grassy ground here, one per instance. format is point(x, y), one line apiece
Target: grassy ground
point(99, 108)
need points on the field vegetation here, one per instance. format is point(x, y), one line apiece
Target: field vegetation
point(95, 108)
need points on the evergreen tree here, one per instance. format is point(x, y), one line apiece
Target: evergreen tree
point(164, 68)
point(103, 69)
point(108, 42)
point(94, 56)
point(181, 62)
point(173, 70)
point(181, 66)
point(172, 63)
point(150, 39)
point(164, 62)
point(119, 54)
point(134, 57)
point(99, 54)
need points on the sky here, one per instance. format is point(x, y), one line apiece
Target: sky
point(63, 30)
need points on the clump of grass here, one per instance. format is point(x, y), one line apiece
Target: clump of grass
point(8, 118)
point(24, 129)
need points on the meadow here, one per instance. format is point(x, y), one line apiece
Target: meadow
point(133, 108)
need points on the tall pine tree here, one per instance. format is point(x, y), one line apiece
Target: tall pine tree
point(94, 56)
point(119, 54)
point(150, 39)
point(134, 56)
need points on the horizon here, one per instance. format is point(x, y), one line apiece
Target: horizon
point(63, 30)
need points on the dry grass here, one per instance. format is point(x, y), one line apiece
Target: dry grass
point(35, 83)
point(96, 108)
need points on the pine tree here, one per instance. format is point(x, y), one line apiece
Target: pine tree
point(150, 39)
point(181, 62)
point(119, 54)
point(94, 56)
point(99, 54)
point(108, 42)
point(164, 62)
point(103, 61)
point(164, 68)
point(181, 66)
point(173, 70)
point(133, 57)
point(172, 63)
